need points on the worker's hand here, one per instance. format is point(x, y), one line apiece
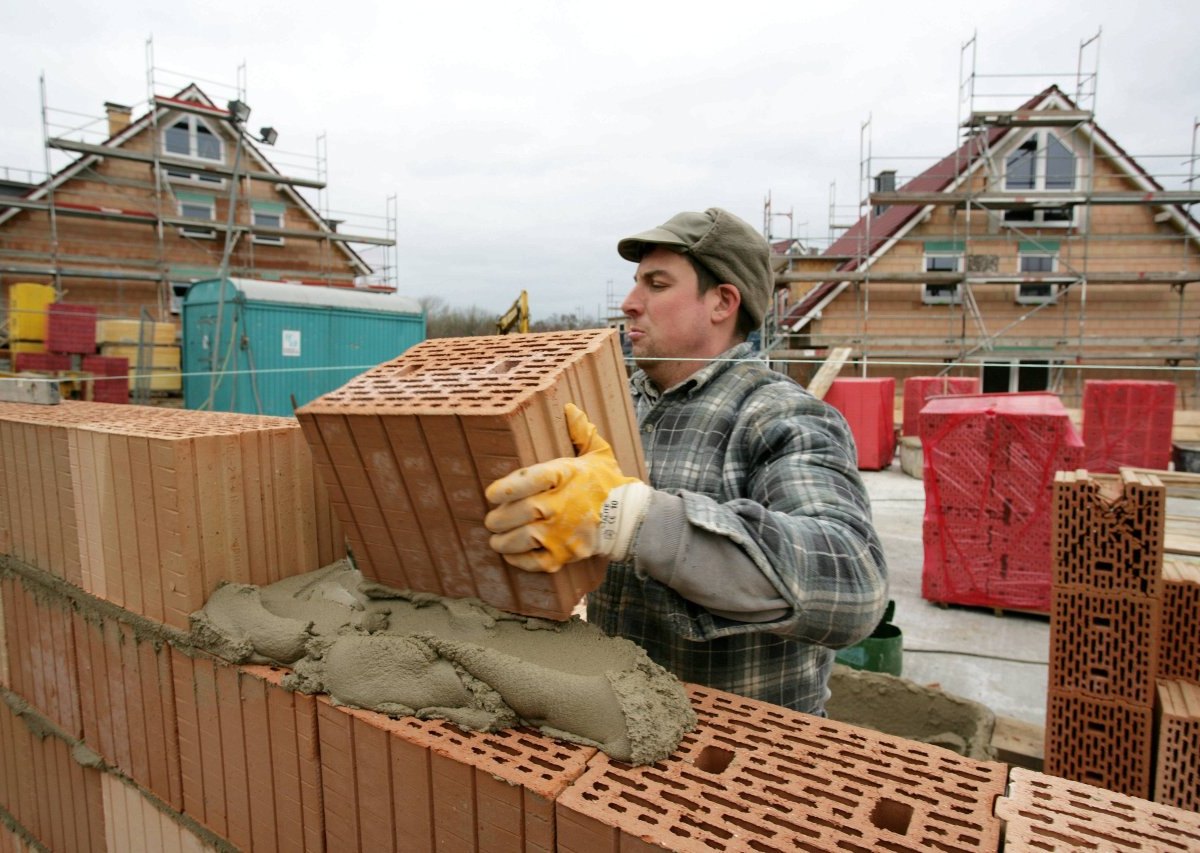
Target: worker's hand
point(557, 512)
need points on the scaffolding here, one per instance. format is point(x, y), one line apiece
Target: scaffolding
point(361, 256)
point(972, 208)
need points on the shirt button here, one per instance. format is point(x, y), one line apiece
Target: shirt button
point(648, 429)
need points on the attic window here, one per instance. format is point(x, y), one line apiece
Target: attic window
point(190, 137)
point(1041, 162)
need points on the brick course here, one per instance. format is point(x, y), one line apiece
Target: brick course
point(756, 776)
point(1177, 769)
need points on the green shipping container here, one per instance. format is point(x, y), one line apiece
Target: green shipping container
point(265, 347)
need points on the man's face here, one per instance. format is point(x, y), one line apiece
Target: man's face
point(670, 319)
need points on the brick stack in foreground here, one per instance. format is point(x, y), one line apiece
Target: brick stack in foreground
point(869, 406)
point(408, 448)
point(989, 470)
point(919, 390)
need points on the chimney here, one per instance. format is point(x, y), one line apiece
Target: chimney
point(885, 182)
point(118, 117)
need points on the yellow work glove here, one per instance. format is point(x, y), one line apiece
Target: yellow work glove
point(568, 509)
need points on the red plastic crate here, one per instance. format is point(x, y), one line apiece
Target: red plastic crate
point(990, 461)
point(1126, 422)
point(71, 328)
point(919, 389)
point(869, 407)
point(42, 362)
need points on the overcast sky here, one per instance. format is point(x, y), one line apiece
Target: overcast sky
point(522, 139)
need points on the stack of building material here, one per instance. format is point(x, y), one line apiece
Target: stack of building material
point(869, 407)
point(1127, 422)
point(28, 305)
point(989, 465)
point(71, 329)
point(160, 359)
point(110, 378)
point(408, 448)
point(918, 390)
point(1105, 629)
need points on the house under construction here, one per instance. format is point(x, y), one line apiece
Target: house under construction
point(1036, 255)
point(171, 192)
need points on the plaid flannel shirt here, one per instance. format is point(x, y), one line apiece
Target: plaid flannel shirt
point(759, 460)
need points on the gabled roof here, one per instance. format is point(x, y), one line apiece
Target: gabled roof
point(871, 236)
point(191, 94)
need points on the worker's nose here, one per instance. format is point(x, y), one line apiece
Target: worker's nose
point(631, 306)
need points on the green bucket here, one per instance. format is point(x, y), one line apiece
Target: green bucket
point(880, 652)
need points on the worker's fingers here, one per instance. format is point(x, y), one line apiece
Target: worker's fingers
point(534, 561)
point(513, 515)
point(584, 435)
point(517, 541)
point(525, 482)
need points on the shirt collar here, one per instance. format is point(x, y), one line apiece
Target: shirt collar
point(739, 352)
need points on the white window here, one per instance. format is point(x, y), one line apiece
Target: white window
point(1042, 163)
point(937, 293)
point(191, 138)
point(195, 206)
point(1037, 293)
point(268, 216)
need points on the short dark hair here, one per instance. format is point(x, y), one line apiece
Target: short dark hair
point(707, 281)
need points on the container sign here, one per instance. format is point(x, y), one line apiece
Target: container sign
point(291, 342)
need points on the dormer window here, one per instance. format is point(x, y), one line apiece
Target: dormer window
point(1041, 162)
point(190, 137)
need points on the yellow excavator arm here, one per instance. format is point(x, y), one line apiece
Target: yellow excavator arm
point(516, 317)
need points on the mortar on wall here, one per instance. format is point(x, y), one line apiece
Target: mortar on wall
point(897, 706)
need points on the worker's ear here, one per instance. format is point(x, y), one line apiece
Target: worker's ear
point(726, 302)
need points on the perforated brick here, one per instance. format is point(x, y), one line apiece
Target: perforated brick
point(919, 389)
point(248, 755)
point(41, 652)
point(413, 785)
point(1042, 812)
point(1100, 742)
point(1177, 768)
point(132, 822)
point(754, 776)
point(408, 448)
point(1179, 653)
point(128, 703)
point(1108, 531)
point(1103, 644)
point(54, 797)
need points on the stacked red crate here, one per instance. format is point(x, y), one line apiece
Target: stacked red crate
point(1126, 422)
point(111, 383)
point(869, 408)
point(919, 389)
point(43, 362)
point(990, 461)
point(71, 328)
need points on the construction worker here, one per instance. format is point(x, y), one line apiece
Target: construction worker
point(750, 556)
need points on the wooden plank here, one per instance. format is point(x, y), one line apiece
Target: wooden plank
point(828, 372)
point(1019, 742)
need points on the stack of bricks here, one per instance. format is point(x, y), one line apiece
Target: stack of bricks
point(110, 378)
point(408, 448)
point(869, 406)
point(71, 329)
point(116, 734)
point(989, 465)
point(919, 390)
point(1127, 422)
point(1124, 703)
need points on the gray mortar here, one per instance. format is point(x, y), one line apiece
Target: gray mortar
point(897, 706)
point(371, 647)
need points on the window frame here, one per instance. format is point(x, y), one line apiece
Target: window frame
point(1020, 294)
point(941, 298)
point(275, 210)
point(196, 200)
point(1040, 217)
point(175, 174)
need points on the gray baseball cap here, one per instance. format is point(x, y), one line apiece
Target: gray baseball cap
point(725, 245)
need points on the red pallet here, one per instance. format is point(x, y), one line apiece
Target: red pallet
point(1126, 422)
point(71, 328)
point(990, 461)
point(919, 389)
point(869, 407)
